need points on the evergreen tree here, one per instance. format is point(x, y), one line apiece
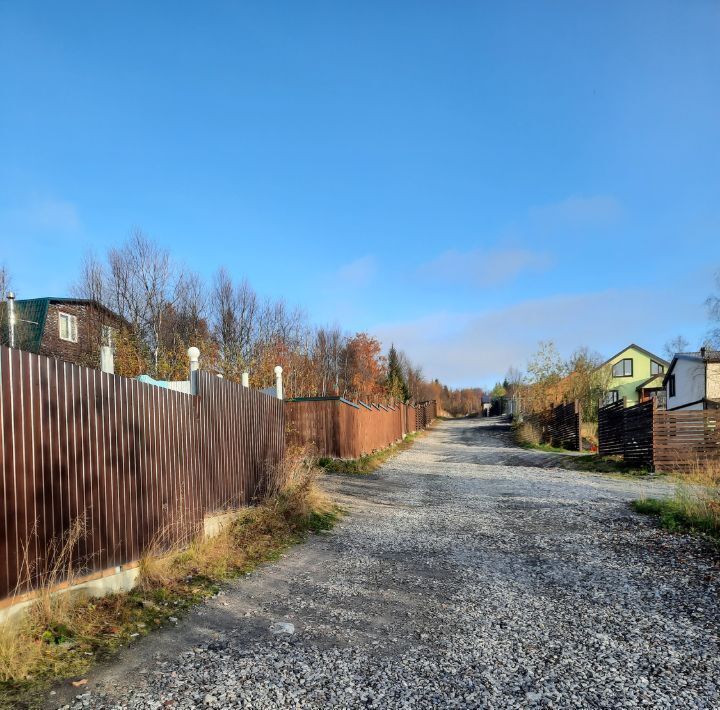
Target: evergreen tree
point(397, 386)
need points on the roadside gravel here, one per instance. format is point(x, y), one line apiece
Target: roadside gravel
point(468, 573)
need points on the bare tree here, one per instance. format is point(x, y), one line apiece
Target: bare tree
point(143, 284)
point(234, 320)
point(329, 355)
point(93, 280)
point(588, 381)
point(145, 287)
point(678, 344)
point(5, 281)
point(713, 307)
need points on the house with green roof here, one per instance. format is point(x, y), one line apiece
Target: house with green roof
point(635, 374)
point(71, 329)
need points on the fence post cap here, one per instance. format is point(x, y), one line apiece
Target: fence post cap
point(10, 295)
point(278, 370)
point(193, 353)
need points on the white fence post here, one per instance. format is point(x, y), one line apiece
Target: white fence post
point(278, 382)
point(11, 318)
point(194, 355)
point(246, 379)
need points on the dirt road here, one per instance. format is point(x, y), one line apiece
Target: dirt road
point(467, 573)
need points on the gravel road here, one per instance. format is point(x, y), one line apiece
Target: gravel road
point(468, 573)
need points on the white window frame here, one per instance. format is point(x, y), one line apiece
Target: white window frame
point(71, 322)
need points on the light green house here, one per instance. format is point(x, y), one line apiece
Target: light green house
point(635, 374)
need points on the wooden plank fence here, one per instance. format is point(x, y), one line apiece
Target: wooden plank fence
point(685, 440)
point(559, 426)
point(611, 429)
point(664, 440)
point(638, 434)
point(136, 463)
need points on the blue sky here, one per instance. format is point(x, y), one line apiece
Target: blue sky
point(461, 178)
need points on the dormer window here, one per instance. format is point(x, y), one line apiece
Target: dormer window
point(67, 325)
point(623, 368)
point(656, 368)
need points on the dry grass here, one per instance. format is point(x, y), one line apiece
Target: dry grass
point(589, 432)
point(62, 634)
point(695, 506)
point(254, 533)
point(527, 435)
point(369, 462)
point(26, 640)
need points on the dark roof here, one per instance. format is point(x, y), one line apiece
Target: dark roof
point(657, 358)
point(705, 356)
point(84, 302)
point(644, 385)
point(30, 317)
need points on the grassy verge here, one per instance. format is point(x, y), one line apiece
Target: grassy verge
point(528, 437)
point(62, 635)
point(545, 447)
point(369, 462)
point(695, 505)
point(595, 463)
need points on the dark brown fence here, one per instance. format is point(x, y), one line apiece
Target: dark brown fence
point(611, 429)
point(342, 429)
point(134, 462)
point(559, 426)
point(685, 440)
point(627, 431)
point(667, 441)
point(243, 441)
point(638, 434)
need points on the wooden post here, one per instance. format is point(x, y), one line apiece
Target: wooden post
point(578, 411)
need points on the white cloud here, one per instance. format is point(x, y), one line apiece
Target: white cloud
point(477, 348)
point(359, 272)
point(479, 267)
point(575, 211)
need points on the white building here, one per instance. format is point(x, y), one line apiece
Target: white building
point(693, 381)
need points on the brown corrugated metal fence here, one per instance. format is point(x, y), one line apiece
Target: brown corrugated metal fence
point(337, 427)
point(137, 463)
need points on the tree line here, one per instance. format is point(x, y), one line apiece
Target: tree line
point(167, 308)
point(550, 379)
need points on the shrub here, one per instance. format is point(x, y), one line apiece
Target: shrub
point(527, 434)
